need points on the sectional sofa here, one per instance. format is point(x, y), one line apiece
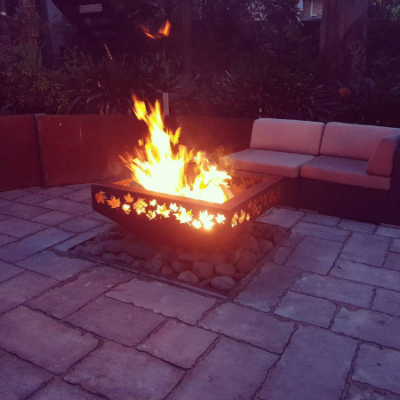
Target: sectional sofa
point(351, 171)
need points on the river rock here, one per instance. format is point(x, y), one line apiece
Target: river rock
point(79, 249)
point(116, 246)
point(239, 276)
point(101, 237)
point(125, 258)
point(216, 258)
point(137, 264)
point(167, 271)
point(246, 262)
point(98, 249)
point(154, 264)
point(248, 242)
point(265, 246)
point(234, 256)
point(178, 267)
point(225, 269)
point(139, 250)
point(109, 257)
point(191, 257)
point(203, 270)
point(188, 276)
point(223, 283)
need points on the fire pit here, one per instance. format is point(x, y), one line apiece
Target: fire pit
point(178, 195)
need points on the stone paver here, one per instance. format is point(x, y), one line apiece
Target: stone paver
point(366, 249)
point(80, 224)
point(24, 211)
point(265, 290)
point(80, 195)
point(308, 309)
point(59, 390)
point(393, 261)
point(33, 198)
point(68, 298)
point(178, 343)
point(4, 239)
point(68, 244)
point(232, 371)
point(378, 367)
point(2, 216)
point(17, 251)
point(369, 325)
point(321, 219)
point(53, 218)
point(164, 299)
point(67, 206)
point(4, 203)
point(18, 379)
point(382, 277)
point(121, 373)
point(358, 392)
point(116, 321)
point(314, 367)
point(321, 232)
point(7, 271)
point(21, 288)
point(293, 240)
point(387, 301)
point(388, 231)
point(13, 194)
point(20, 227)
point(57, 191)
point(315, 255)
point(97, 216)
point(395, 246)
point(57, 267)
point(280, 256)
point(249, 325)
point(335, 289)
point(357, 226)
point(43, 341)
point(281, 217)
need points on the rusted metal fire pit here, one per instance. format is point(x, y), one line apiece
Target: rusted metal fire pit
point(169, 218)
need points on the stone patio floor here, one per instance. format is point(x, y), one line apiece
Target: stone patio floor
point(320, 321)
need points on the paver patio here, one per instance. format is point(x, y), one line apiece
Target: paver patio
point(320, 320)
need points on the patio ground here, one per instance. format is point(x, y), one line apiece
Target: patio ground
point(321, 320)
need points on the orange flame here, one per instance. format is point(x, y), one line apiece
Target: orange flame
point(161, 166)
point(164, 31)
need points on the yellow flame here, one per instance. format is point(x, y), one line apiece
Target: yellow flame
point(126, 208)
point(161, 164)
point(164, 31)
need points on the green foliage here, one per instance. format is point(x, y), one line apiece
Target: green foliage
point(106, 86)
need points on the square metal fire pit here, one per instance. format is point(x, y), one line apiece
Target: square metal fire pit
point(177, 219)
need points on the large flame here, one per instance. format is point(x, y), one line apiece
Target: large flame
point(163, 166)
point(164, 31)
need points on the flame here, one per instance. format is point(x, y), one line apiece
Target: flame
point(161, 164)
point(164, 31)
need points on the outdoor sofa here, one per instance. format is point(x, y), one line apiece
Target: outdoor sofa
point(350, 171)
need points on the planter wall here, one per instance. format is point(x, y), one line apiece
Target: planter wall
point(86, 148)
point(19, 153)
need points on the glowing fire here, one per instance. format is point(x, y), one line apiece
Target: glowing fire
point(162, 166)
point(162, 32)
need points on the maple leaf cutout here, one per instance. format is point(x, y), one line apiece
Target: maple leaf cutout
point(128, 198)
point(139, 205)
point(163, 210)
point(114, 202)
point(100, 197)
point(184, 216)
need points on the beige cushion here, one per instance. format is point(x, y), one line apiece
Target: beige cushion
point(300, 137)
point(352, 141)
point(344, 171)
point(381, 160)
point(269, 162)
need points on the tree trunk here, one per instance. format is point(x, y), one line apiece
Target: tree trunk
point(187, 38)
point(343, 37)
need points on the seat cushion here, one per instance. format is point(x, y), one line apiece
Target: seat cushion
point(352, 141)
point(301, 137)
point(269, 162)
point(343, 170)
point(381, 160)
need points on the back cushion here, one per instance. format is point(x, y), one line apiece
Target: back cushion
point(290, 136)
point(352, 141)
